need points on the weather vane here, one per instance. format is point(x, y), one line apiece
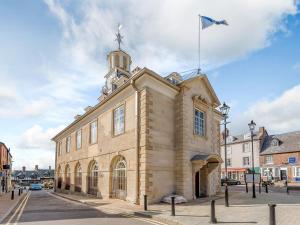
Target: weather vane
point(119, 36)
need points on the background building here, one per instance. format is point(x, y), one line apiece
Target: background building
point(239, 153)
point(5, 168)
point(27, 177)
point(280, 157)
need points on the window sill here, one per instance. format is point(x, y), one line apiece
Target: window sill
point(117, 135)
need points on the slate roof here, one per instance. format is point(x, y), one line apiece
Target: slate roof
point(33, 174)
point(199, 157)
point(240, 138)
point(288, 142)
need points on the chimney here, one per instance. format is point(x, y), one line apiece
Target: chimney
point(88, 108)
point(49, 168)
point(77, 117)
point(261, 132)
point(23, 169)
point(36, 167)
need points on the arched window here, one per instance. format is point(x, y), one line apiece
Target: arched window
point(119, 178)
point(93, 178)
point(67, 177)
point(78, 177)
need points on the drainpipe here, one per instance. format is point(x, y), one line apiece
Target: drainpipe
point(137, 144)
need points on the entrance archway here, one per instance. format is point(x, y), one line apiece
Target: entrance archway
point(119, 178)
point(93, 178)
point(78, 177)
point(67, 177)
point(203, 165)
point(59, 177)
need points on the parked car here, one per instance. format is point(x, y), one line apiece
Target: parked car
point(36, 187)
point(230, 181)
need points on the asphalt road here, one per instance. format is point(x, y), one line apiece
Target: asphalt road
point(43, 208)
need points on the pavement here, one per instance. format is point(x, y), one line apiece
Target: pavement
point(7, 205)
point(44, 208)
point(243, 210)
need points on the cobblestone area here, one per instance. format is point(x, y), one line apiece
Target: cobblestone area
point(243, 209)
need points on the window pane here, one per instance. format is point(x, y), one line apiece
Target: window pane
point(119, 120)
point(199, 125)
point(78, 139)
point(68, 144)
point(93, 132)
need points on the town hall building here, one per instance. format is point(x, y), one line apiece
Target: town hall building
point(147, 135)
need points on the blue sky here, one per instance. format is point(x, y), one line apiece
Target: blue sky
point(53, 59)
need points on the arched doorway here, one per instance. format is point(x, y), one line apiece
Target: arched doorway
point(67, 177)
point(59, 177)
point(93, 178)
point(203, 165)
point(78, 177)
point(119, 178)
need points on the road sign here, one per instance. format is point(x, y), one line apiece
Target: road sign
point(292, 160)
point(249, 178)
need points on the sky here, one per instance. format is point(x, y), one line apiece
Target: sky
point(53, 61)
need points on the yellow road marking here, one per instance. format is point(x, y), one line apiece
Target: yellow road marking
point(22, 209)
point(15, 212)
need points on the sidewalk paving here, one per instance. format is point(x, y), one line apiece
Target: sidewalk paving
point(7, 205)
point(243, 209)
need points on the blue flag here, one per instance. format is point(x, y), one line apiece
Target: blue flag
point(207, 22)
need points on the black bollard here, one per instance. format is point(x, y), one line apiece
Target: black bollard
point(266, 185)
point(226, 195)
point(246, 187)
point(272, 219)
point(19, 191)
point(145, 203)
point(12, 195)
point(259, 188)
point(212, 212)
point(173, 205)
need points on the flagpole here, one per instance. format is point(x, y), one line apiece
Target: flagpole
point(199, 65)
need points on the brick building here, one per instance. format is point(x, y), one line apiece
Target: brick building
point(5, 167)
point(280, 157)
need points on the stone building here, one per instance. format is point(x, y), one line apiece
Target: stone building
point(280, 157)
point(146, 135)
point(239, 153)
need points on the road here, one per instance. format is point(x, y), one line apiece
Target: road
point(44, 208)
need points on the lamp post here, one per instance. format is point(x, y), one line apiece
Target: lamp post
point(252, 128)
point(224, 110)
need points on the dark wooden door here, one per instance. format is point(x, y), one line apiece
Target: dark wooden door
point(197, 185)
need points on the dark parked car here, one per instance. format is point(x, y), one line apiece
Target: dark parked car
point(230, 182)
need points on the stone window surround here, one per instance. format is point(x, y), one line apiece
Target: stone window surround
point(59, 148)
point(201, 105)
point(90, 132)
point(121, 104)
point(68, 144)
point(76, 134)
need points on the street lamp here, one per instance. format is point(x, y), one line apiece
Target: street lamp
point(252, 128)
point(225, 110)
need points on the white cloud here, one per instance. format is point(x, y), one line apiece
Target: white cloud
point(36, 137)
point(280, 114)
point(157, 31)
